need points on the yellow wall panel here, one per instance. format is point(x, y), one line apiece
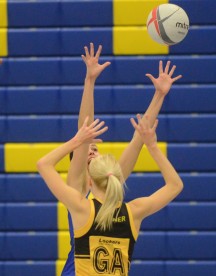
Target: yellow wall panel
point(63, 244)
point(23, 157)
point(144, 162)
point(135, 41)
point(3, 42)
point(133, 12)
point(62, 217)
point(59, 267)
point(3, 13)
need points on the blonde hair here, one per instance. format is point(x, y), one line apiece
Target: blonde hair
point(106, 173)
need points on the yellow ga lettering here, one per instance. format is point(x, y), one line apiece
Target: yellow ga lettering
point(103, 263)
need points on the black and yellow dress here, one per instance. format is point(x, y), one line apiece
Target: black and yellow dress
point(105, 252)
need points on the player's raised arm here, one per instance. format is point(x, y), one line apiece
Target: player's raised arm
point(173, 184)
point(162, 85)
point(46, 165)
point(78, 165)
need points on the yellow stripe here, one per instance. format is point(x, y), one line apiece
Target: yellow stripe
point(133, 12)
point(3, 14)
point(135, 41)
point(3, 43)
point(23, 157)
point(62, 216)
point(3, 28)
point(63, 244)
point(62, 213)
point(144, 162)
point(83, 230)
point(59, 267)
point(133, 228)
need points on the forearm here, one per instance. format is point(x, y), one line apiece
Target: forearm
point(87, 102)
point(169, 173)
point(129, 156)
point(155, 107)
point(131, 153)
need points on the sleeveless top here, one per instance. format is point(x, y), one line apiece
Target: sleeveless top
point(107, 252)
point(69, 267)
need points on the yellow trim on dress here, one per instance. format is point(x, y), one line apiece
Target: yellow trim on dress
point(133, 228)
point(83, 230)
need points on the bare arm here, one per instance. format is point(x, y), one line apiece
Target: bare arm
point(46, 165)
point(162, 86)
point(78, 165)
point(173, 183)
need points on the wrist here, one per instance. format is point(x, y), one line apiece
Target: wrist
point(160, 94)
point(89, 79)
point(75, 142)
point(152, 147)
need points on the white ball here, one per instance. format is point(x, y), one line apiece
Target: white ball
point(168, 24)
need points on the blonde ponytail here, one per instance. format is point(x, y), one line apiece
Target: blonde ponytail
point(106, 174)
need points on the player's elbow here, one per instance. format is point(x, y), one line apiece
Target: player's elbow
point(175, 187)
point(179, 185)
point(40, 165)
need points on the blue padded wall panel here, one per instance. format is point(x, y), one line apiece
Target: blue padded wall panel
point(40, 216)
point(70, 41)
point(175, 246)
point(24, 188)
point(191, 216)
point(100, 13)
point(26, 268)
point(43, 217)
point(28, 246)
point(188, 128)
point(138, 268)
point(151, 245)
point(123, 70)
point(192, 268)
point(1, 157)
point(196, 15)
point(60, 128)
point(150, 268)
point(173, 268)
point(31, 188)
point(193, 157)
point(59, 13)
point(40, 128)
point(197, 187)
point(108, 99)
point(191, 44)
point(57, 42)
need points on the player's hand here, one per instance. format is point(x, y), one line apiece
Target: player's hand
point(91, 60)
point(164, 81)
point(146, 132)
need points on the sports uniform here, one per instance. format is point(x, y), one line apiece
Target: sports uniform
point(105, 252)
point(69, 267)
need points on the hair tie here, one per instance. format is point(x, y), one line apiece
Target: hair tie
point(109, 174)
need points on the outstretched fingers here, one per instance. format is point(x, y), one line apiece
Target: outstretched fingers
point(160, 67)
point(167, 67)
point(100, 131)
point(96, 128)
point(172, 70)
point(86, 52)
point(155, 125)
point(91, 49)
point(97, 55)
point(177, 78)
